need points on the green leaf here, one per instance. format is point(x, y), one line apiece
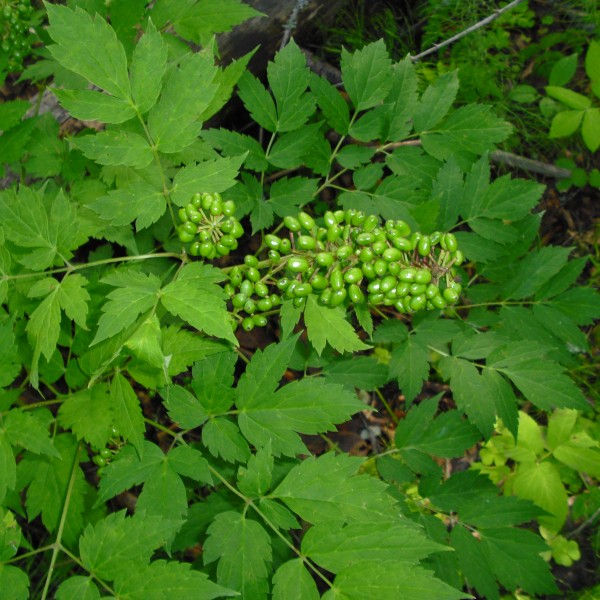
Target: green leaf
point(243, 549)
point(473, 561)
point(514, 555)
point(203, 19)
point(289, 315)
point(568, 97)
point(26, 430)
point(49, 229)
point(139, 202)
point(14, 583)
point(187, 91)
point(436, 102)
point(565, 123)
point(390, 581)
point(560, 426)
point(12, 112)
point(541, 483)
point(47, 479)
point(544, 384)
point(8, 467)
point(447, 191)
point(148, 66)
point(401, 102)
point(327, 490)
point(332, 104)
point(288, 194)
point(135, 293)
point(592, 61)
point(127, 411)
point(209, 176)
point(212, 381)
point(335, 547)
point(409, 364)
point(582, 304)
point(366, 74)
point(563, 70)
point(326, 325)
point(472, 128)
point(363, 372)
point(308, 406)
point(127, 469)
point(504, 399)
point(145, 344)
point(89, 105)
point(115, 148)
point(255, 479)
point(590, 129)
point(77, 587)
point(235, 144)
point(579, 458)
point(223, 438)
point(117, 545)
point(197, 299)
point(89, 47)
point(258, 101)
point(292, 581)
point(467, 384)
point(10, 360)
point(288, 77)
point(290, 148)
point(183, 408)
point(162, 579)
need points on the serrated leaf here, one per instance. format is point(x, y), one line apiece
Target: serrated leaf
point(258, 101)
point(581, 459)
point(118, 545)
point(472, 128)
point(582, 304)
point(145, 343)
point(203, 19)
point(243, 549)
point(409, 364)
point(128, 469)
point(187, 91)
point(292, 581)
point(26, 430)
point(363, 372)
point(590, 129)
point(401, 102)
point(8, 467)
point(14, 583)
point(390, 581)
point(77, 587)
point(474, 562)
point(47, 479)
point(169, 579)
point(541, 483)
point(233, 143)
point(127, 412)
point(89, 47)
point(288, 78)
point(135, 293)
point(290, 148)
point(447, 191)
point(115, 147)
point(255, 478)
point(336, 547)
point(325, 325)
point(139, 202)
point(148, 65)
point(366, 74)
point(327, 489)
point(190, 462)
point(223, 438)
point(288, 194)
point(183, 408)
point(436, 102)
point(515, 559)
point(89, 105)
point(210, 176)
point(197, 299)
point(306, 406)
point(332, 104)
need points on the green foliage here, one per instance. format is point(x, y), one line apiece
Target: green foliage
point(126, 381)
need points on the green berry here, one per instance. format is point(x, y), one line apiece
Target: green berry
point(336, 279)
point(438, 302)
point(370, 223)
point(285, 246)
point(391, 254)
point(319, 282)
point(424, 246)
point(324, 259)
point(264, 304)
point(337, 297)
point(252, 274)
point(250, 306)
point(423, 276)
point(250, 260)
point(292, 223)
point(380, 267)
point(272, 241)
point(402, 243)
point(408, 274)
point(105, 453)
point(229, 208)
point(306, 242)
point(239, 300)
point(248, 324)
point(306, 221)
point(247, 287)
point(297, 264)
point(302, 290)
point(355, 294)
point(344, 252)
point(353, 275)
point(99, 460)
point(450, 295)
point(184, 236)
point(259, 320)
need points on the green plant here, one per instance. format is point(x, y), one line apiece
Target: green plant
point(18, 21)
point(162, 456)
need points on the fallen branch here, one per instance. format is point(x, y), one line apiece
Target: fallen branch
point(465, 32)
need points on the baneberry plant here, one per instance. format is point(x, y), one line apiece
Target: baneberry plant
point(145, 453)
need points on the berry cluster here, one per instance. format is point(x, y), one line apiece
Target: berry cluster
point(16, 35)
point(350, 258)
point(209, 224)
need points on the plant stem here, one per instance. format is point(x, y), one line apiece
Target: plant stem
point(56, 547)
